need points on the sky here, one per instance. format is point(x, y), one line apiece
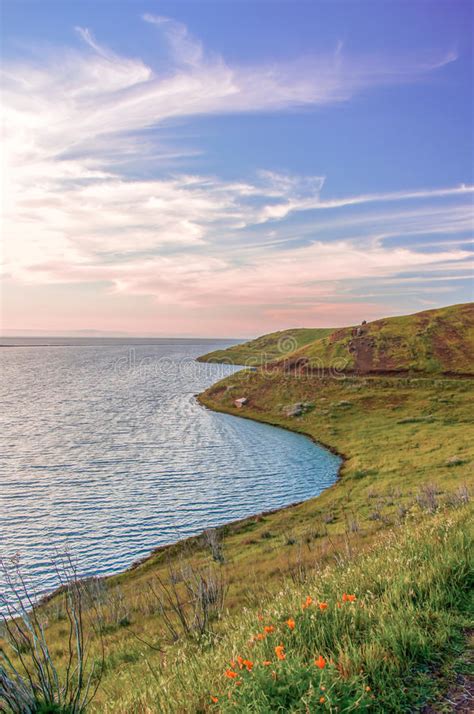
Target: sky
point(230, 168)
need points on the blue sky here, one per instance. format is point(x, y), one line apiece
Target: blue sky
point(230, 168)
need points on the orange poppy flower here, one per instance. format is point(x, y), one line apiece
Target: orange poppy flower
point(240, 661)
point(279, 651)
point(231, 674)
point(269, 628)
point(291, 623)
point(323, 605)
point(348, 598)
point(307, 602)
point(214, 699)
point(260, 636)
point(322, 700)
point(320, 662)
point(247, 664)
point(367, 689)
point(266, 662)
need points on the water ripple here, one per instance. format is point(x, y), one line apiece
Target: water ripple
point(104, 451)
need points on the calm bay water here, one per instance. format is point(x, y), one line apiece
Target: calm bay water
point(106, 453)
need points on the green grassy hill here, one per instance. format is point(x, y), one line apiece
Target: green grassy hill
point(268, 347)
point(431, 342)
point(394, 531)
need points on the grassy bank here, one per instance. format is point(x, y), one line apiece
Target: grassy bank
point(396, 433)
point(408, 457)
point(356, 635)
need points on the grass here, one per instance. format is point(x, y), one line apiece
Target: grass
point(352, 634)
point(396, 433)
point(399, 467)
point(431, 342)
point(393, 530)
point(374, 653)
point(268, 347)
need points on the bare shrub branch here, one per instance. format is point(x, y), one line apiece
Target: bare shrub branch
point(190, 600)
point(30, 680)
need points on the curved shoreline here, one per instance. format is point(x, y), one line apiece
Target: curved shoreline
point(189, 539)
point(385, 417)
point(328, 447)
point(194, 539)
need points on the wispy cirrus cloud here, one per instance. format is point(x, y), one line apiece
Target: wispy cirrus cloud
point(186, 49)
point(70, 100)
point(313, 202)
point(80, 126)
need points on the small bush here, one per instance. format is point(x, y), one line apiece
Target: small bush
point(328, 518)
point(290, 539)
point(211, 539)
point(189, 608)
point(30, 680)
point(459, 498)
point(455, 461)
point(427, 498)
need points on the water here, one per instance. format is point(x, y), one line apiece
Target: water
point(106, 453)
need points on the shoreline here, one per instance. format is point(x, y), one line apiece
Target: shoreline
point(237, 521)
point(193, 543)
point(240, 521)
point(328, 447)
point(196, 538)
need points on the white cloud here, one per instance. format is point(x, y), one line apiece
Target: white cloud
point(76, 122)
point(313, 202)
point(186, 49)
point(90, 102)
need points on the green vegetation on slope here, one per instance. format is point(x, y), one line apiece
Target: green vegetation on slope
point(408, 451)
point(357, 635)
point(408, 455)
point(431, 342)
point(396, 433)
point(377, 630)
point(268, 347)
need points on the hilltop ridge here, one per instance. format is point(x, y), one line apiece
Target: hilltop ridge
point(439, 341)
